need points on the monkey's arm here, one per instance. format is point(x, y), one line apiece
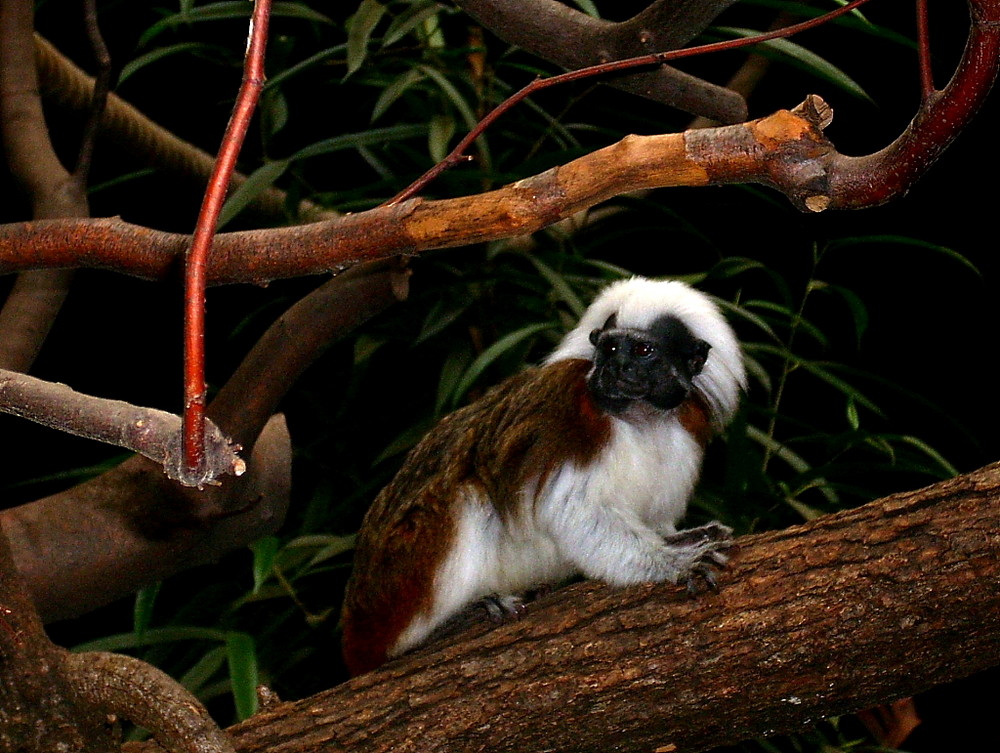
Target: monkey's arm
point(611, 544)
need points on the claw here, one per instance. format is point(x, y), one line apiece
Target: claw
point(504, 608)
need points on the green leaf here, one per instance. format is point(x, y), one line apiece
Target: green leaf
point(795, 461)
point(335, 546)
point(123, 641)
point(903, 240)
point(492, 353)
point(227, 10)
point(142, 611)
point(360, 28)
point(795, 53)
point(560, 286)
point(137, 64)
point(402, 443)
point(416, 15)
point(453, 95)
point(204, 669)
point(256, 183)
point(855, 20)
point(930, 452)
point(241, 655)
point(588, 7)
point(321, 56)
point(394, 91)
point(859, 312)
point(852, 414)
point(455, 364)
point(117, 181)
point(442, 129)
point(373, 137)
point(442, 314)
point(273, 113)
point(821, 371)
point(264, 552)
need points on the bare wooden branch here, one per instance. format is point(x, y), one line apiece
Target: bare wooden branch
point(99, 99)
point(59, 543)
point(785, 150)
point(35, 300)
point(38, 711)
point(152, 433)
point(572, 39)
point(131, 689)
point(857, 182)
point(159, 528)
point(846, 612)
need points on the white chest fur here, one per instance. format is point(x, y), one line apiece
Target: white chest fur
point(588, 520)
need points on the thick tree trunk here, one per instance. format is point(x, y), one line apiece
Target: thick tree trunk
point(840, 614)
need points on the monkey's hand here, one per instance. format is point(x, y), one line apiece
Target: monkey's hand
point(704, 549)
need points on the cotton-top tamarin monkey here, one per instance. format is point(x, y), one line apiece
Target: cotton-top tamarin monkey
point(581, 466)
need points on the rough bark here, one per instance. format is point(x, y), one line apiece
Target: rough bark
point(152, 433)
point(840, 614)
point(786, 149)
point(60, 542)
point(38, 295)
point(570, 38)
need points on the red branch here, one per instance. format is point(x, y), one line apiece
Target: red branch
point(924, 51)
point(857, 182)
point(197, 260)
point(616, 66)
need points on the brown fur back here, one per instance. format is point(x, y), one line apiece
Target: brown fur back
point(519, 431)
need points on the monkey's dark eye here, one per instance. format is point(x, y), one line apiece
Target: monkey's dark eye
point(643, 350)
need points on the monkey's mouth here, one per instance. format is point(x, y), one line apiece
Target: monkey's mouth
point(623, 387)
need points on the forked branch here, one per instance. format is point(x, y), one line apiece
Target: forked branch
point(572, 39)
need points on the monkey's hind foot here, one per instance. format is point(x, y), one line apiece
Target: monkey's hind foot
point(504, 608)
point(705, 549)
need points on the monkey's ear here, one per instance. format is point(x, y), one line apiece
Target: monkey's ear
point(611, 323)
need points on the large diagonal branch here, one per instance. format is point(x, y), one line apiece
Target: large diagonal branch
point(840, 614)
point(572, 39)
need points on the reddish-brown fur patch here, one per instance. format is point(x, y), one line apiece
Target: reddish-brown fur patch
point(693, 415)
point(520, 430)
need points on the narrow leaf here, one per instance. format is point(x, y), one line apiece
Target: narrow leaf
point(142, 611)
point(362, 24)
point(259, 181)
point(796, 53)
point(264, 552)
point(241, 655)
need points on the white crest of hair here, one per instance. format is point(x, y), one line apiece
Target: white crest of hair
point(637, 302)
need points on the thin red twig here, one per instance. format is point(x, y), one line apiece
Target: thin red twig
point(458, 153)
point(924, 50)
point(195, 279)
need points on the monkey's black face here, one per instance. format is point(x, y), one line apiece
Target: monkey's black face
point(655, 366)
